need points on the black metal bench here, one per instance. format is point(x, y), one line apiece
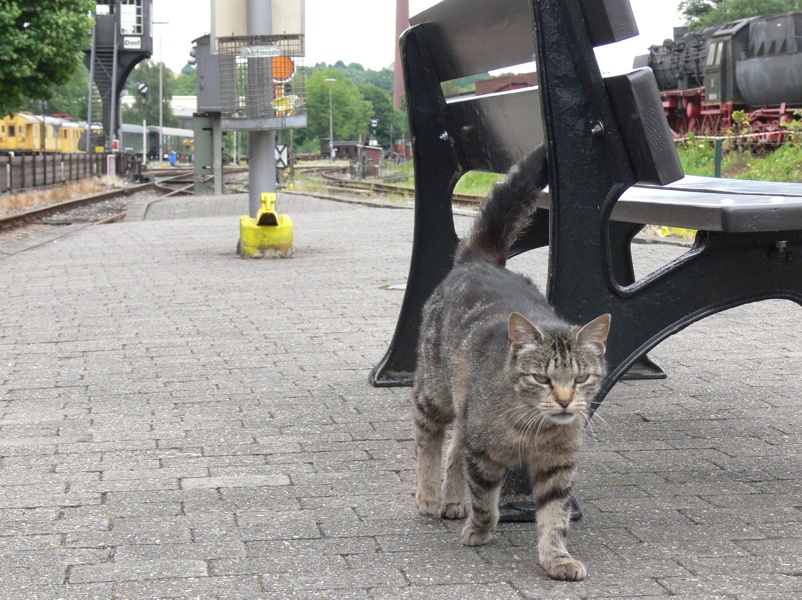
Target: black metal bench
point(612, 168)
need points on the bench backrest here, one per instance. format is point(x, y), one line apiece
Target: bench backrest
point(493, 131)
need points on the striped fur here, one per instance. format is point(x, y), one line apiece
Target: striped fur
point(514, 379)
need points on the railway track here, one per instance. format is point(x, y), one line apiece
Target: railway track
point(41, 213)
point(337, 179)
point(165, 183)
point(170, 184)
point(42, 224)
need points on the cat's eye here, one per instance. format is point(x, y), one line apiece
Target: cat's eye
point(541, 379)
point(581, 378)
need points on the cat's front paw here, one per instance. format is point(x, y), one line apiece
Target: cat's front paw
point(428, 508)
point(566, 570)
point(453, 510)
point(473, 537)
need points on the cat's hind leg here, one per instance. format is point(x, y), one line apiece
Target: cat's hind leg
point(429, 426)
point(553, 501)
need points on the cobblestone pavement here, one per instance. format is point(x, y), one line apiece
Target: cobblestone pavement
point(176, 422)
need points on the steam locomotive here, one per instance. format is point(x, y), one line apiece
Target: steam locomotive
point(753, 65)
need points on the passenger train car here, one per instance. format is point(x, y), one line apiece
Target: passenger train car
point(174, 140)
point(26, 133)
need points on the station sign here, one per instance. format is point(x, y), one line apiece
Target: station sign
point(260, 51)
point(132, 42)
point(282, 156)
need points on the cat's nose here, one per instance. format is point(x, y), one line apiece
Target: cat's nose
point(563, 396)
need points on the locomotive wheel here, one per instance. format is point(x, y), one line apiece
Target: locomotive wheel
point(711, 125)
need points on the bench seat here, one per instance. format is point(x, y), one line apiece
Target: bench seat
point(725, 205)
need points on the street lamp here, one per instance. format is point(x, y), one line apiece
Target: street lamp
point(374, 122)
point(331, 80)
point(143, 88)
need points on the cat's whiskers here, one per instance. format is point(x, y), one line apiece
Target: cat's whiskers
point(590, 425)
point(588, 428)
point(526, 438)
point(514, 408)
point(524, 435)
point(597, 416)
point(533, 417)
point(534, 421)
point(544, 418)
point(520, 418)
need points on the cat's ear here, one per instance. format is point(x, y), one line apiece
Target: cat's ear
point(522, 331)
point(595, 332)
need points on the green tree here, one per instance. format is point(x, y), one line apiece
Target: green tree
point(40, 47)
point(186, 83)
point(359, 74)
point(703, 13)
point(383, 110)
point(68, 98)
point(148, 72)
point(351, 112)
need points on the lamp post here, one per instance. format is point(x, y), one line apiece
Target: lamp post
point(331, 80)
point(161, 92)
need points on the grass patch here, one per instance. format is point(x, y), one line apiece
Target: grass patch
point(477, 183)
point(473, 183)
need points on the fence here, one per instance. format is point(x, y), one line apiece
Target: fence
point(31, 171)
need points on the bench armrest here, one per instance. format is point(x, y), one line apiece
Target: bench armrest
point(609, 20)
point(642, 122)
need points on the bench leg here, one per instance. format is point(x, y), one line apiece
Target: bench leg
point(621, 236)
point(515, 503)
point(644, 369)
point(437, 171)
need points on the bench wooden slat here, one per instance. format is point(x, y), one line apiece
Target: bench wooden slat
point(710, 211)
point(466, 37)
point(476, 36)
point(494, 131)
point(707, 211)
point(734, 186)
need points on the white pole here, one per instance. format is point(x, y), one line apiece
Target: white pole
point(161, 101)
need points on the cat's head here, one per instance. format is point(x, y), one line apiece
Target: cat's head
point(558, 373)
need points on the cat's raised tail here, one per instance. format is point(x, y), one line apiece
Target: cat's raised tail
point(506, 213)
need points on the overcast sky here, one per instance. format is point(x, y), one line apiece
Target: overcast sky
point(363, 31)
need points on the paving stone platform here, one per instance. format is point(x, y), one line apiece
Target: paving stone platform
point(176, 422)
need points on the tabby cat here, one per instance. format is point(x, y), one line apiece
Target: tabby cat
point(516, 379)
